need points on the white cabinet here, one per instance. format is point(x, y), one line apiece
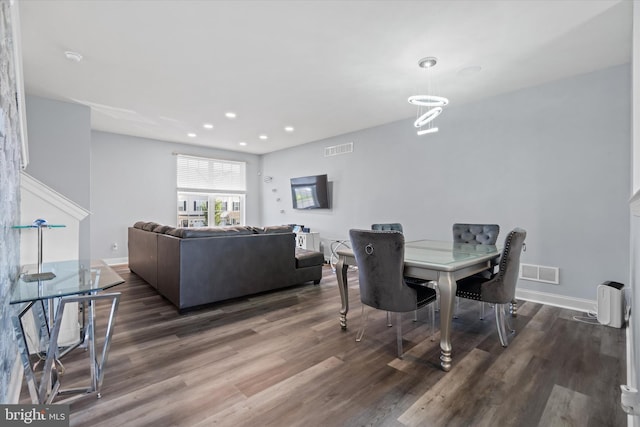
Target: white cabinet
point(309, 241)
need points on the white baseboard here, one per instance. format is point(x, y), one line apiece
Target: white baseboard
point(116, 261)
point(15, 381)
point(556, 300)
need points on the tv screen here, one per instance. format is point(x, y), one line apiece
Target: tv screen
point(310, 192)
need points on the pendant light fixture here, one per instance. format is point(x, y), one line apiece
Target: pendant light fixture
point(433, 104)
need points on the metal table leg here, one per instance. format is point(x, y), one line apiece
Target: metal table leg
point(47, 388)
point(447, 286)
point(97, 364)
point(341, 275)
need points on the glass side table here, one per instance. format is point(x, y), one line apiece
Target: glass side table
point(71, 283)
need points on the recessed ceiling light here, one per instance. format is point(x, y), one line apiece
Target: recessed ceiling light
point(73, 56)
point(427, 62)
point(230, 115)
point(289, 129)
point(242, 143)
point(263, 137)
point(207, 126)
point(191, 135)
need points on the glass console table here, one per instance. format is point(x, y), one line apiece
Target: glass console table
point(72, 283)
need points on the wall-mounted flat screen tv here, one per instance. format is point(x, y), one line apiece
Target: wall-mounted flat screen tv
point(310, 192)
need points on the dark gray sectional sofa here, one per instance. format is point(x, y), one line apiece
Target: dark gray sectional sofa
point(197, 266)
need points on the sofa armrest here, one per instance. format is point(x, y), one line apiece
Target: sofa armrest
point(307, 258)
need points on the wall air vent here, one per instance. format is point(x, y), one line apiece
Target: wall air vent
point(338, 149)
point(540, 273)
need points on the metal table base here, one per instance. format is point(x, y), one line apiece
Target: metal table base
point(46, 388)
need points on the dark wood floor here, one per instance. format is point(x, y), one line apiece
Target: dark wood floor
point(281, 359)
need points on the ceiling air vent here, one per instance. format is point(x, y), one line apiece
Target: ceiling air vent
point(338, 149)
point(540, 273)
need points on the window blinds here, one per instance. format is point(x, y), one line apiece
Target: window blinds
point(199, 173)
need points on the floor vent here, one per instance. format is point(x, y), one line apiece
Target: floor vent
point(338, 149)
point(540, 273)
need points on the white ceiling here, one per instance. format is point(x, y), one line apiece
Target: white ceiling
point(160, 69)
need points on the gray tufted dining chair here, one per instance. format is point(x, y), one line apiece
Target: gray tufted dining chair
point(501, 288)
point(391, 226)
point(380, 259)
point(477, 234)
point(412, 281)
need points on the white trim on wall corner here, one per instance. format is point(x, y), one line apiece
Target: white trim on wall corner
point(51, 196)
point(556, 300)
point(20, 92)
point(631, 375)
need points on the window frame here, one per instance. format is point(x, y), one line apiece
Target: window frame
point(212, 178)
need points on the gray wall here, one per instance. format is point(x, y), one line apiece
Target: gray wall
point(60, 154)
point(552, 159)
point(547, 159)
point(9, 198)
point(134, 179)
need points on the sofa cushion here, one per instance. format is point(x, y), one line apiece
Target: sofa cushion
point(186, 233)
point(306, 258)
point(162, 229)
point(139, 224)
point(273, 229)
point(149, 226)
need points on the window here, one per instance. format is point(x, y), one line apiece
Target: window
point(206, 188)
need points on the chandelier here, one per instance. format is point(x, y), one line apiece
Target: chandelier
point(431, 103)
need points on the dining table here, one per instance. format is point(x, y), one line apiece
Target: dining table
point(441, 263)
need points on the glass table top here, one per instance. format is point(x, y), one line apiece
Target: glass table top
point(434, 252)
point(441, 255)
point(71, 278)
